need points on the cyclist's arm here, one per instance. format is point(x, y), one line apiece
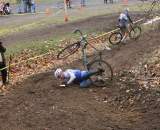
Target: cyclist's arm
point(72, 78)
point(129, 18)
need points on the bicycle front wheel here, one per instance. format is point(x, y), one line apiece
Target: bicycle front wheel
point(69, 50)
point(100, 79)
point(115, 38)
point(135, 33)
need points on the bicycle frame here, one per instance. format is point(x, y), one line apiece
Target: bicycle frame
point(127, 30)
point(84, 43)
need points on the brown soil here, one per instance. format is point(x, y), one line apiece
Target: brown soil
point(39, 103)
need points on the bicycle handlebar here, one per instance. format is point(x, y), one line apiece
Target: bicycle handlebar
point(78, 30)
point(86, 42)
point(83, 38)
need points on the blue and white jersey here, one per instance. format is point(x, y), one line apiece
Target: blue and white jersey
point(73, 76)
point(123, 16)
point(124, 19)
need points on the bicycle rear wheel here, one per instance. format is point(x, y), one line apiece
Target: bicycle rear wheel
point(135, 33)
point(115, 38)
point(69, 50)
point(100, 79)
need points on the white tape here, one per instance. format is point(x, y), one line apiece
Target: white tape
point(152, 20)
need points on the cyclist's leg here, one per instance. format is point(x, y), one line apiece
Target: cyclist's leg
point(86, 74)
point(122, 29)
point(85, 83)
point(125, 31)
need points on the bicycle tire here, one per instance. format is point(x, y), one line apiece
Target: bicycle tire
point(101, 79)
point(69, 50)
point(115, 38)
point(135, 32)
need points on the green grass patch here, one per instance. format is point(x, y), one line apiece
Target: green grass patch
point(39, 47)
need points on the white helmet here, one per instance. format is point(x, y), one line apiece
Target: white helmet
point(58, 72)
point(126, 9)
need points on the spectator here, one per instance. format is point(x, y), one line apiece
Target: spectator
point(68, 3)
point(1, 7)
point(7, 9)
point(19, 4)
point(3, 65)
point(24, 2)
point(33, 6)
point(29, 6)
point(106, 1)
point(83, 3)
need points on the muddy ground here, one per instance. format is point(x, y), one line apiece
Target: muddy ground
point(39, 103)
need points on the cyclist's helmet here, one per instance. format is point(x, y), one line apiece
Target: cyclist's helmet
point(126, 10)
point(58, 72)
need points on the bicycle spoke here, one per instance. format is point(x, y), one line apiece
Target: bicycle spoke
point(115, 38)
point(101, 78)
point(69, 50)
point(135, 33)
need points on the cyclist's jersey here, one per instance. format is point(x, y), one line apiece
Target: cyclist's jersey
point(124, 19)
point(73, 76)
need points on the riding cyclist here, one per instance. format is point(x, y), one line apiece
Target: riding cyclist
point(124, 21)
point(76, 76)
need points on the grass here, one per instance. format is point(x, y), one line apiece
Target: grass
point(38, 47)
point(43, 46)
point(9, 30)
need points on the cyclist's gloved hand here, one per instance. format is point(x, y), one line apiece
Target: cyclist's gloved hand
point(63, 84)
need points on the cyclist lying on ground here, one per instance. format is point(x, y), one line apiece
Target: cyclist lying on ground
point(124, 21)
point(76, 76)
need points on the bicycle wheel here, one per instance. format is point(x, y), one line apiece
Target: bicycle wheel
point(100, 79)
point(135, 32)
point(115, 38)
point(69, 50)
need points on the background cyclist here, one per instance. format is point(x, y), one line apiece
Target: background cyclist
point(124, 21)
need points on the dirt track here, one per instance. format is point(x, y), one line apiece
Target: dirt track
point(38, 103)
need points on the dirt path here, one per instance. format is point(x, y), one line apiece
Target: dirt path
point(38, 103)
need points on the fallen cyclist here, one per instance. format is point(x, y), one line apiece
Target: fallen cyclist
point(124, 21)
point(76, 76)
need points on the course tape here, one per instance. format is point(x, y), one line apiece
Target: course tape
point(32, 58)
